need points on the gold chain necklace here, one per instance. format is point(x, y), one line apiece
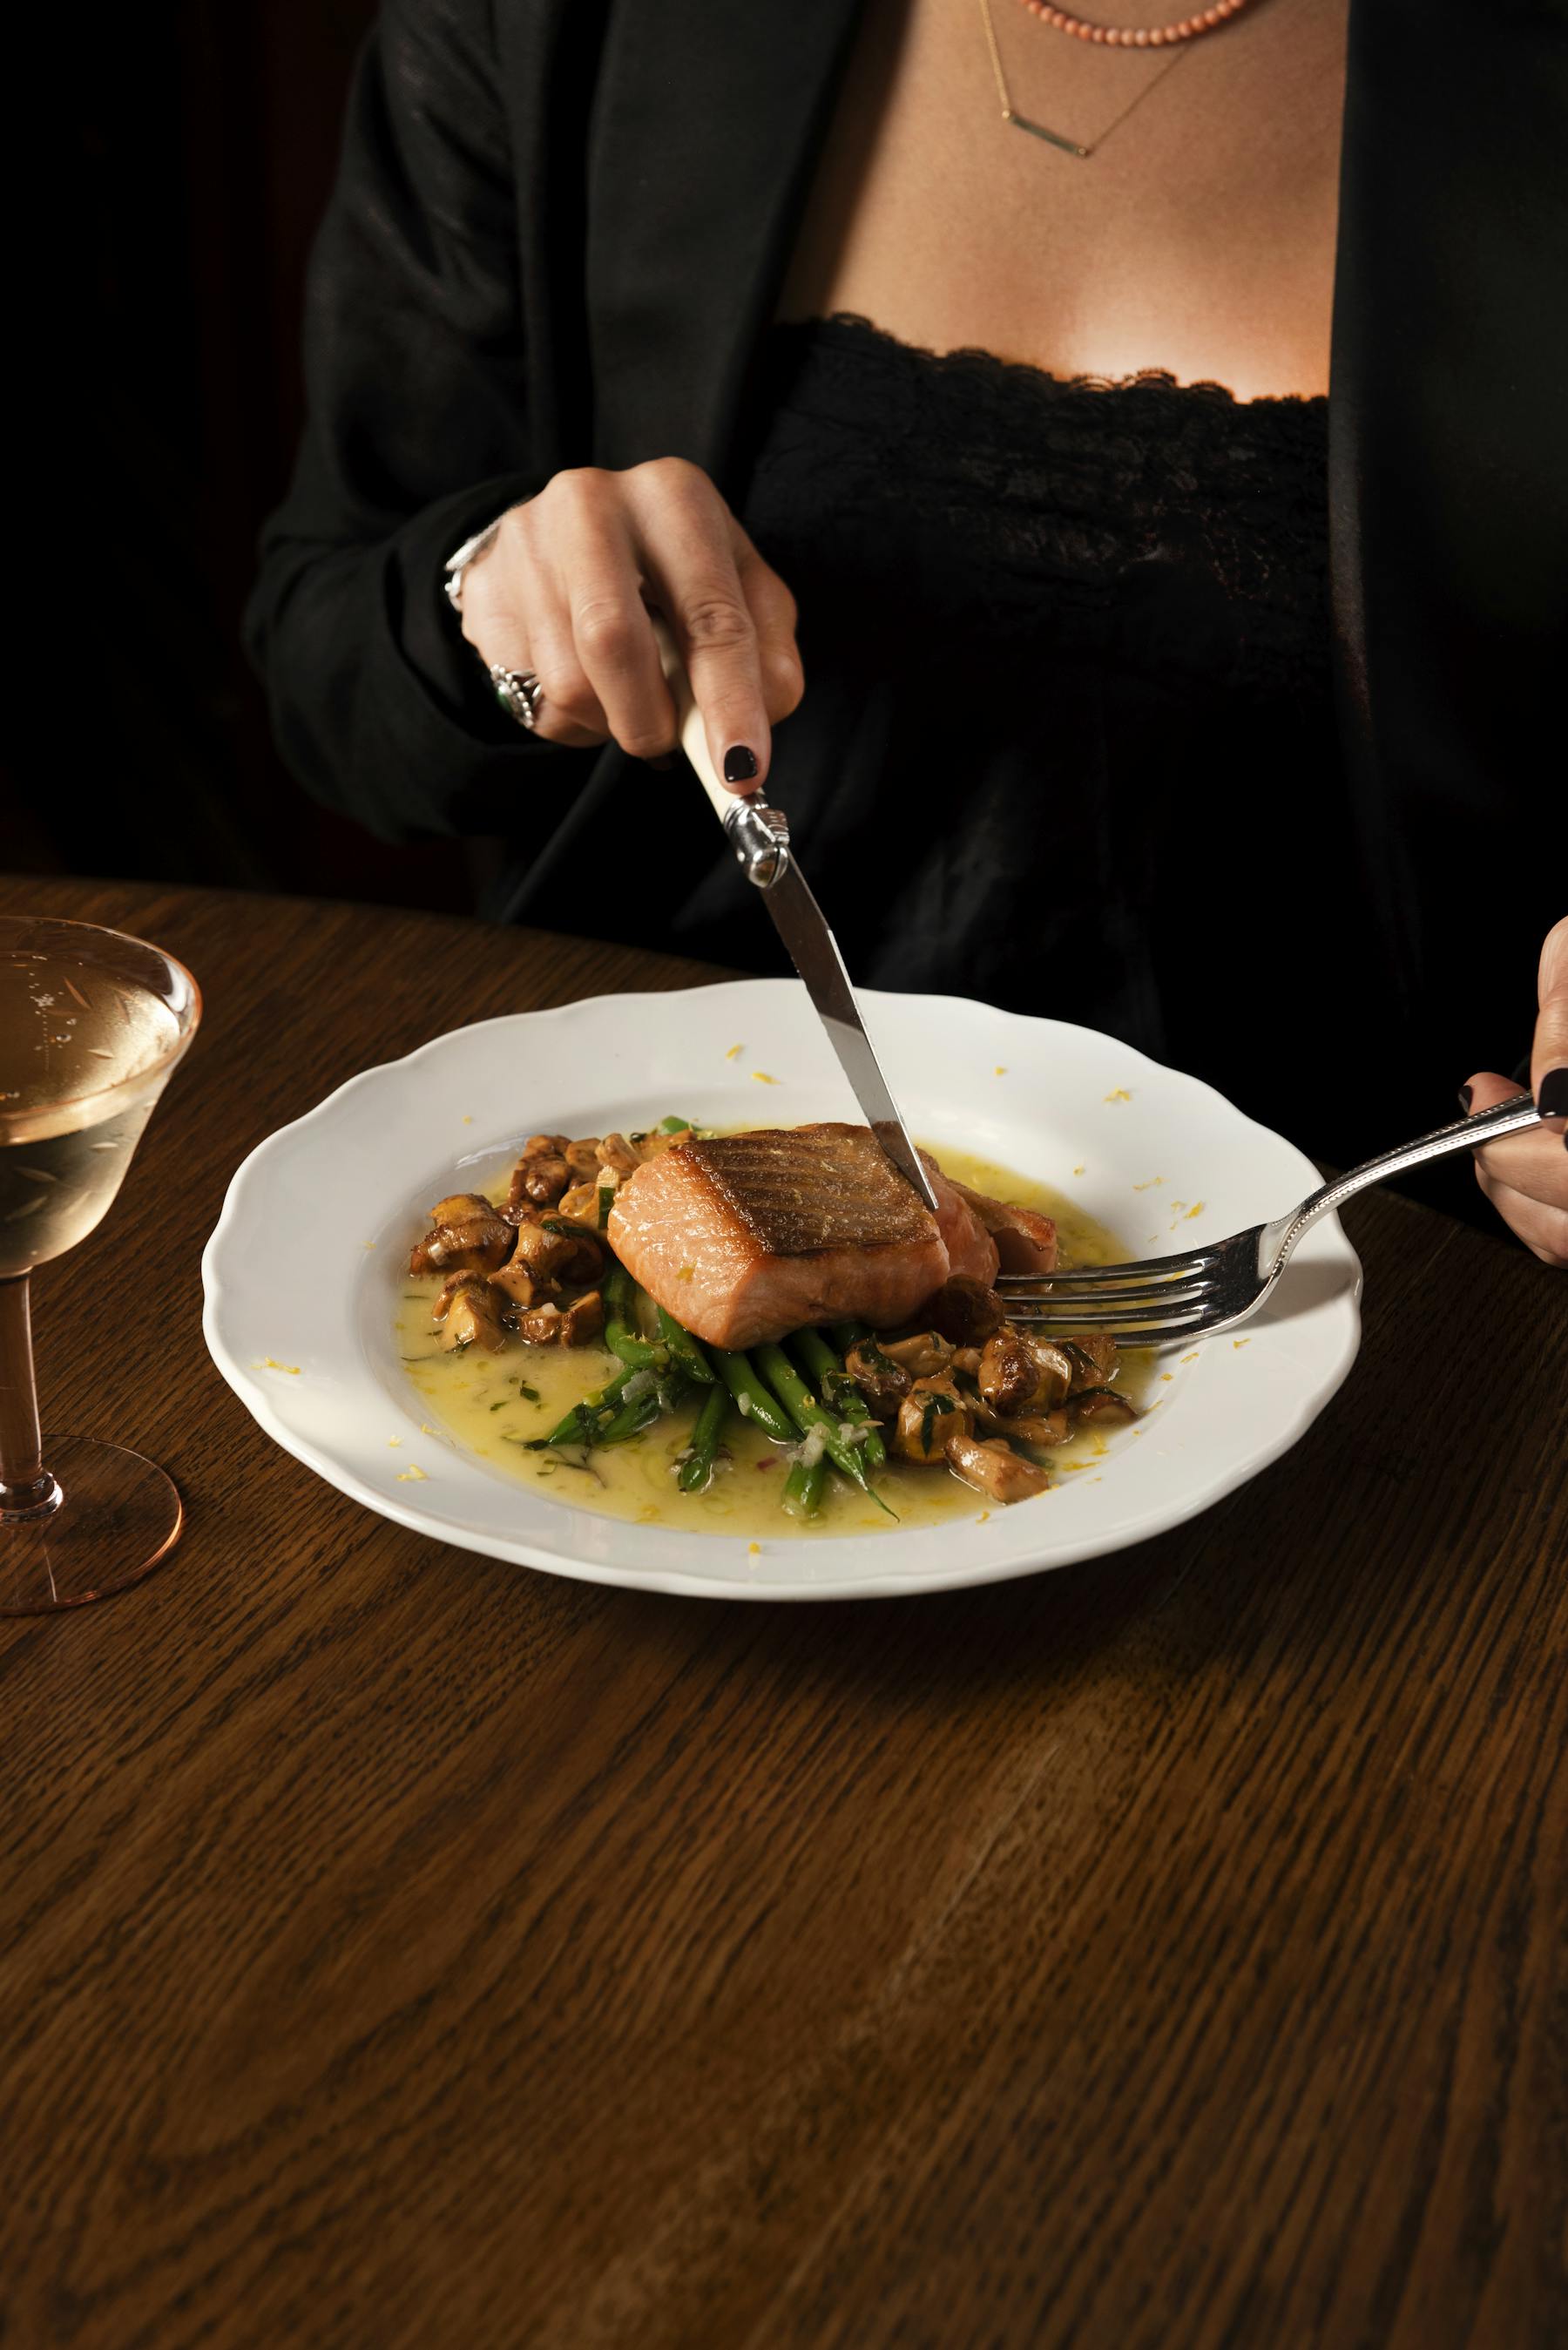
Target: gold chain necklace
point(1177, 37)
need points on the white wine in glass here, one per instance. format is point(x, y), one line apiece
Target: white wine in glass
point(92, 1026)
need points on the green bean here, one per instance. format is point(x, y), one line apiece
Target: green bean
point(578, 1427)
point(634, 1417)
point(619, 1293)
point(836, 1386)
point(849, 1334)
point(697, 1468)
point(807, 1412)
point(804, 1487)
point(753, 1401)
point(685, 1352)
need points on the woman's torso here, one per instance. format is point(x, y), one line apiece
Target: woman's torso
point(1199, 238)
point(1077, 632)
point(1066, 645)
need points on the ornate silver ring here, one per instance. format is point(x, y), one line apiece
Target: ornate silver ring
point(518, 692)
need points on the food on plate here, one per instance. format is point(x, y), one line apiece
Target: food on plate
point(748, 1236)
point(779, 1292)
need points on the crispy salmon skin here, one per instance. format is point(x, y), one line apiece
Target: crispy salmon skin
point(743, 1237)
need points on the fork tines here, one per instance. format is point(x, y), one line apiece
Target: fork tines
point(1154, 1302)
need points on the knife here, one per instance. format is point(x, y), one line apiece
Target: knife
point(759, 835)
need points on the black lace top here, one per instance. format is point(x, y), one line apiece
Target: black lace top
point(1076, 636)
point(1144, 524)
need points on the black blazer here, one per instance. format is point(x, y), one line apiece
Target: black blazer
point(558, 233)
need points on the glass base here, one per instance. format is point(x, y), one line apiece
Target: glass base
point(119, 1516)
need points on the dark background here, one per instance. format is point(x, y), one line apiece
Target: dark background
point(186, 162)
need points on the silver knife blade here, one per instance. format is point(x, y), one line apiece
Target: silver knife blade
point(761, 843)
point(759, 835)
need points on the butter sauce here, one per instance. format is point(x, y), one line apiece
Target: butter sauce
point(492, 1405)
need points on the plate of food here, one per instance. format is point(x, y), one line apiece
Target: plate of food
point(625, 1291)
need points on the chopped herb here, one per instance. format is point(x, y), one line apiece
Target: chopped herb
point(524, 1390)
point(935, 1405)
point(674, 1125)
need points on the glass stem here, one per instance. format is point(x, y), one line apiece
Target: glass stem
point(26, 1488)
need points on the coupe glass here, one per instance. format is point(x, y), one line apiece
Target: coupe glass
point(92, 1026)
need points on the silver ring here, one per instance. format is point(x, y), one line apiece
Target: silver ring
point(518, 692)
point(467, 554)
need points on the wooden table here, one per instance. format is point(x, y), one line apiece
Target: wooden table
point(400, 1948)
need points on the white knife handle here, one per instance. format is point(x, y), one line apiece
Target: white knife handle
point(693, 733)
point(758, 834)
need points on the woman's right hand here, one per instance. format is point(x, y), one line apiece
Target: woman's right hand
point(564, 589)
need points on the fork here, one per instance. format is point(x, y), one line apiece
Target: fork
point(1164, 1301)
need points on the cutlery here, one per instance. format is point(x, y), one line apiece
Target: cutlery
point(1166, 1301)
point(759, 835)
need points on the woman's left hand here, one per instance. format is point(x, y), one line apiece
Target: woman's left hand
point(1526, 1177)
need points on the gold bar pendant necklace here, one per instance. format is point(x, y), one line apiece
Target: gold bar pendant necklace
point(1179, 38)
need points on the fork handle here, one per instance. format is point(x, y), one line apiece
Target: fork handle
point(1510, 1117)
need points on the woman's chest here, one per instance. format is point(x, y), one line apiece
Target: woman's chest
point(1197, 237)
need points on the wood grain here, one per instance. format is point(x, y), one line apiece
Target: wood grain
point(397, 1948)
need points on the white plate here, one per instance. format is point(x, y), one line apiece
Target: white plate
point(303, 1272)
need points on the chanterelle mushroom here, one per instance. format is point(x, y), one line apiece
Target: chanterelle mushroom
point(994, 1470)
point(1103, 1403)
point(883, 1382)
point(554, 1249)
point(466, 1235)
point(930, 1415)
point(541, 1175)
point(966, 1312)
point(586, 1205)
point(1094, 1355)
point(468, 1314)
point(921, 1356)
point(571, 1326)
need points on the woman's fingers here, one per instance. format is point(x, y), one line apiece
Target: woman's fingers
point(772, 611)
point(687, 538)
point(514, 615)
point(1548, 1054)
point(564, 590)
point(1539, 1225)
point(1525, 1176)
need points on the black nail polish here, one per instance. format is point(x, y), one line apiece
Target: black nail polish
point(740, 765)
point(1552, 1101)
point(1467, 1094)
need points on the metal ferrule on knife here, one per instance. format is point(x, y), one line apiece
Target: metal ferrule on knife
point(759, 835)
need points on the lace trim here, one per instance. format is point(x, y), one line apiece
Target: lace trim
point(974, 357)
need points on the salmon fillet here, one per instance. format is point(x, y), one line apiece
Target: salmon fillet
point(1025, 1239)
point(747, 1236)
